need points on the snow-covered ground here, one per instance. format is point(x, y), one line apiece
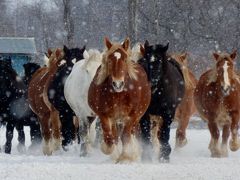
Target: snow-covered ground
point(191, 162)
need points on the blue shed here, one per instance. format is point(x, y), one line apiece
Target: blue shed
point(19, 50)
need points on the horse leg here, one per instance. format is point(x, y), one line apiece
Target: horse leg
point(164, 136)
point(56, 130)
point(46, 133)
point(214, 144)
point(107, 145)
point(234, 142)
point(67, 129)
point(35, 134)
point(76, 129)
point(225, 135)
point(116, 130)
point(181, 139)
point(9, 137)
point(21, 138)
point(145, 126)
point(85, 139)
point(129, 152)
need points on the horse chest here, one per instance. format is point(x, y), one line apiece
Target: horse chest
point(222, 116)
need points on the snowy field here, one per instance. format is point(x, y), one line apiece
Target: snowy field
point(192, 162)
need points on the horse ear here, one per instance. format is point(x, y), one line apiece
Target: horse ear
point(83, 49)
point(58, 53)
point(165, 48)
point(216, 56)
point(65, 49)
point(126, 44)
point(86, 54)
point(146, 44)
point(49, 53)
point(108, 43)
point(234, 54)
point(183, 57)
point(142, 50)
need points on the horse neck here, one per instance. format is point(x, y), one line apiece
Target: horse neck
point(188, 78)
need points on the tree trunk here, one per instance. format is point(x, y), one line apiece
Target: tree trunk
point(132, 20)
point(68, 22)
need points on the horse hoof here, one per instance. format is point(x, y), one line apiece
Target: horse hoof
point(47, 151)
point(7, 149)
point(107, 149)
point(124, 158)
point(146, 157)
point(164, 159)
point(234, 146)
point(216, 155)
point(21, 148)
point(180, 143)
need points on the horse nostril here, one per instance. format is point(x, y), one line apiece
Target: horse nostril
point(118, 84)
point(114, 84)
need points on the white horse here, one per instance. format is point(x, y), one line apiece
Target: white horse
point(76, 93)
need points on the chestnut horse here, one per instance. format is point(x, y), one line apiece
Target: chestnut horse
point(119, 94)
point(187, 107)
point(217, 98)
point(39, 103)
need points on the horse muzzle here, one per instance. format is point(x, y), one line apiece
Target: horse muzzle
point(118, 85)
point(226, 91)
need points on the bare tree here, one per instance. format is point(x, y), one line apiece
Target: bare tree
point(68, 22)
point(132, 20)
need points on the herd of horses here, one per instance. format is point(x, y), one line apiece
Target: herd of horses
point(120, 97)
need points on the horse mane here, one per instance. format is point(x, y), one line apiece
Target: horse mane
point(92, 55)
point(46, 60)
point(103, 71)
point(186, 73)
point(136, 53)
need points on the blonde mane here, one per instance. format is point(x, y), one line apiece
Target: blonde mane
point(186, 73)
point(136, 53)
point(92, 56)
point(103, 72)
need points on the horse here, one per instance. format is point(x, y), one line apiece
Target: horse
point(119, 94)
point(167, 91)
point(29, 118)
point(187, 107)
point(76, 93)
point(217, 98)
point(56, 94)
point(12, 89)
point(47, 114)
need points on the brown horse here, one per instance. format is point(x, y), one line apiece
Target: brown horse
point(217, 98)
point(187, 107)
point(119, 94)
point(39, 103)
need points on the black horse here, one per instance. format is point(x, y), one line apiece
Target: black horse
point(14, 109)
point(167, 86)
point(56, 94)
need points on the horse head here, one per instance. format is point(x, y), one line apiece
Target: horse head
point(73, 55)
point(55, 58)
point(225, 70)
point(152, 61)
point(116, 61)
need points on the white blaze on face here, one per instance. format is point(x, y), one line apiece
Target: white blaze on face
point(225, 76)
point(152, 59)
point(117, 55)
point(74, 60)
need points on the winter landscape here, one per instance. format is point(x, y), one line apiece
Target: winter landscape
point(192, 162)
point(135, 65)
